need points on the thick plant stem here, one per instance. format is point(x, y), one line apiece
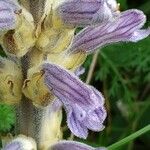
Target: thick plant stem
point(129, 138)
point(42, 124)
point(23, 117)
point(24, 109)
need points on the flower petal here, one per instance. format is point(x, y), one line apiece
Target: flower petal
point(81, 119)
point(66, 145)
point(94, 120)
point(66, 86)
point(11, 79)
point(21, 143)
point(55, 106)
point(83, 103)
point(13, 146)
point(140, 34)
point(85, 12)
point(79, 71)
point(74, 125)
point(125, 28)
point(7, 14)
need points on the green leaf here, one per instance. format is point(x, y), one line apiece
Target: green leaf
point(7, 117)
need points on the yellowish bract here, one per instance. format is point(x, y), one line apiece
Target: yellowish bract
point(19, 41)
point(50, 131)
point(35, 89)
point(54, 40)
point(10, 82)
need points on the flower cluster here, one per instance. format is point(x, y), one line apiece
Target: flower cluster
point(44, 57)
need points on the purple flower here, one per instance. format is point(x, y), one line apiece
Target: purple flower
point(67, 145)
point(27, 144)
point(84, 104)
point(21, 143)
point(126, 28)
point(8, 9)
point(13, 146)
point(86, 12)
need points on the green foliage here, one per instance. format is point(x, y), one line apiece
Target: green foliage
point(7, 118)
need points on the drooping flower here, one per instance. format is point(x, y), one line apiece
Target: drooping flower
point(127, 27)
point(84, 104)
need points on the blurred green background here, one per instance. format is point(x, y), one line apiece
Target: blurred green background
point(122, 74)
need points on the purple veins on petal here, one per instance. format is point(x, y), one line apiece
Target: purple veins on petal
point(84, 104)
point(66, 85)
point(127, 27)
point(80, 119)
point(85, 12)
point(66, 145)
point(7, 15)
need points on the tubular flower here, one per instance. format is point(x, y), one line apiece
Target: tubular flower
point(83, 104)
point(127, 27)
point(44, 59)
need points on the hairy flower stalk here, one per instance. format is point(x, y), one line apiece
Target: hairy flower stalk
point(44, 56)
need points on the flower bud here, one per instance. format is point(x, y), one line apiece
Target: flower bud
point(10, 81)
point(21, 143)
point(35, 89)
point(54, 40)
point(21, 39)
